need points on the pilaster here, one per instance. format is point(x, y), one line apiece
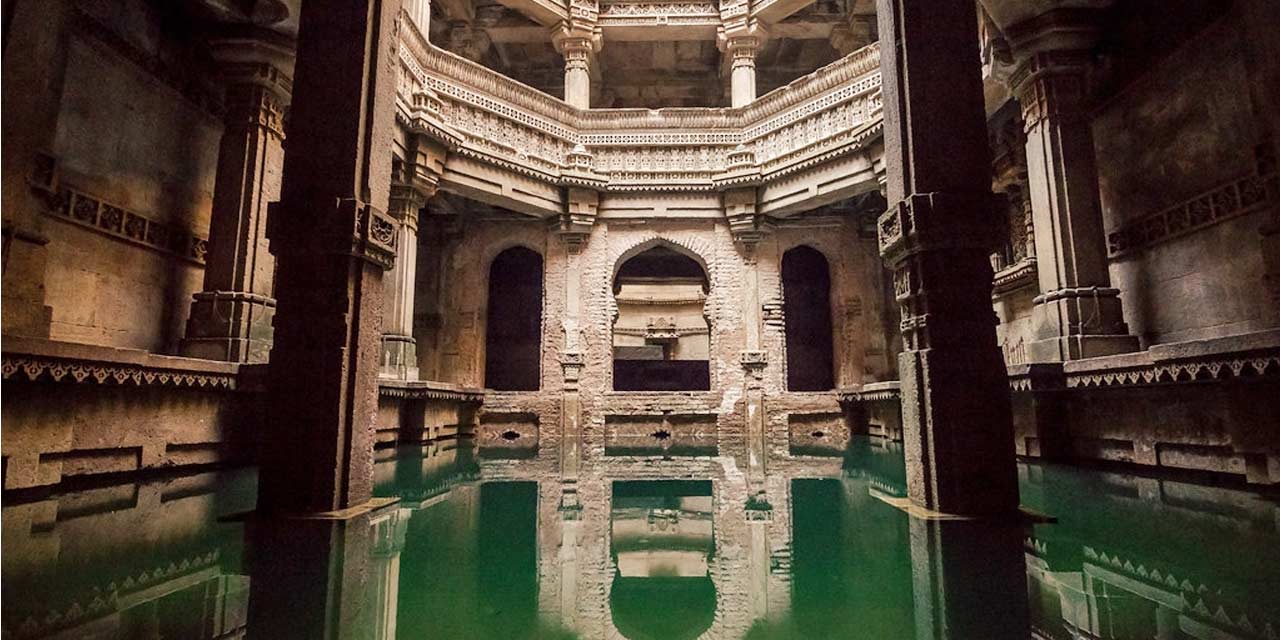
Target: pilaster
point(1078, 313)
point(332, 240)
point(957, 422)
point(231, 317)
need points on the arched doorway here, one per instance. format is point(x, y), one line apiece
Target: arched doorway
point(513, 338)
point(806, 289)
point(661, 338)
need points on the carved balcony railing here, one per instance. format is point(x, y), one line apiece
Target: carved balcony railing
point(485, 116)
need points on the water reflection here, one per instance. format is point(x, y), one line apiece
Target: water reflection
point(501, 547)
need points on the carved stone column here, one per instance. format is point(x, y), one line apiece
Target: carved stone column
point(231, 318)
point(420, 13)
point(332, 240)
point(578, 49)
point(415, 181)
point(1077, 314)
point(399, 349)
point(573, 229)
point(957, 423)
point(742, 50)
point(741, 208)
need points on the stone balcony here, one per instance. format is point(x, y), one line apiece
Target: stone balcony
point(812, 142)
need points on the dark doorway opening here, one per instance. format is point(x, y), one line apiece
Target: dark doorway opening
point(661, 339)
point(806, 288)
point(513, 339)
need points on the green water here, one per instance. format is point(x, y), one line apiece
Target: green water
point(481, 547)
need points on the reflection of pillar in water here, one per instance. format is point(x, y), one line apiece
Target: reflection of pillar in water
point(317, 578)
point(389, 528)
point(969, 579)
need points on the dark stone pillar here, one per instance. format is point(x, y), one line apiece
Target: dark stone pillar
point(332, 240)
point(955, 396)
point(231, 316)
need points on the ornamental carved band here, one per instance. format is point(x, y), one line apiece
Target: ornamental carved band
point(935, 221)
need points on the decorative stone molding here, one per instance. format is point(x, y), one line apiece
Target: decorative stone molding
point(645, 13)
point(1233, 199)
point(80, 208)
point(42, 360)
point(427, 390)
point(874, 392)
point(484, 116)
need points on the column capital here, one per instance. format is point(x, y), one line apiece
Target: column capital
point(744, 42)
point(746, 224)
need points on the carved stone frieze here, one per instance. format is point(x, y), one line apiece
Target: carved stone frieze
point(493, 119)
point(34, 368)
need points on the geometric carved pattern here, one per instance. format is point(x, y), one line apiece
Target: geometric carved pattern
point(33, 368)
point(1267, 364)
point(78, 207)
point(1228, 201)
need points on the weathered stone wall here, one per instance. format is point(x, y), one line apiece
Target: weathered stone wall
point(128, 126)
point(452, 334)
point(1179, 151)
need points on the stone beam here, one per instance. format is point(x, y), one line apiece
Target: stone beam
point(332, 239)
point(545, 12)
point(775, 11)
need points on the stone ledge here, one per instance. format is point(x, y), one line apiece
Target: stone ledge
point(36, 359)
point(872, 392)
point(428, 390)
point(1253, 354)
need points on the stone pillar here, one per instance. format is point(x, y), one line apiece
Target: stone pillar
point(578, 46)
point(1077, 314)
point(742, 50)
point(573, 228)
point(955, 396)
point(416, 179)
point(231, 317)
point(332, 240)
point(420, 13)
point(748, 229)
point(399, 349)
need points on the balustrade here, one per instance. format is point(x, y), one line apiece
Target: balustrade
point(493, 119)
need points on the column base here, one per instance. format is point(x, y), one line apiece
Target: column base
point(399, 357)
point(232, 326)
point(1063, 348)
point(1078, 323)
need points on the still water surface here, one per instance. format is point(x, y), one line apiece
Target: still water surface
point(507, 549)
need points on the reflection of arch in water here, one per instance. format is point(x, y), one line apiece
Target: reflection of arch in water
point(662, 543)
point(662, 608)
point(513, 327)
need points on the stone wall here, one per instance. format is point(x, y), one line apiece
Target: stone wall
point(1183, 160)
point(129, 128)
